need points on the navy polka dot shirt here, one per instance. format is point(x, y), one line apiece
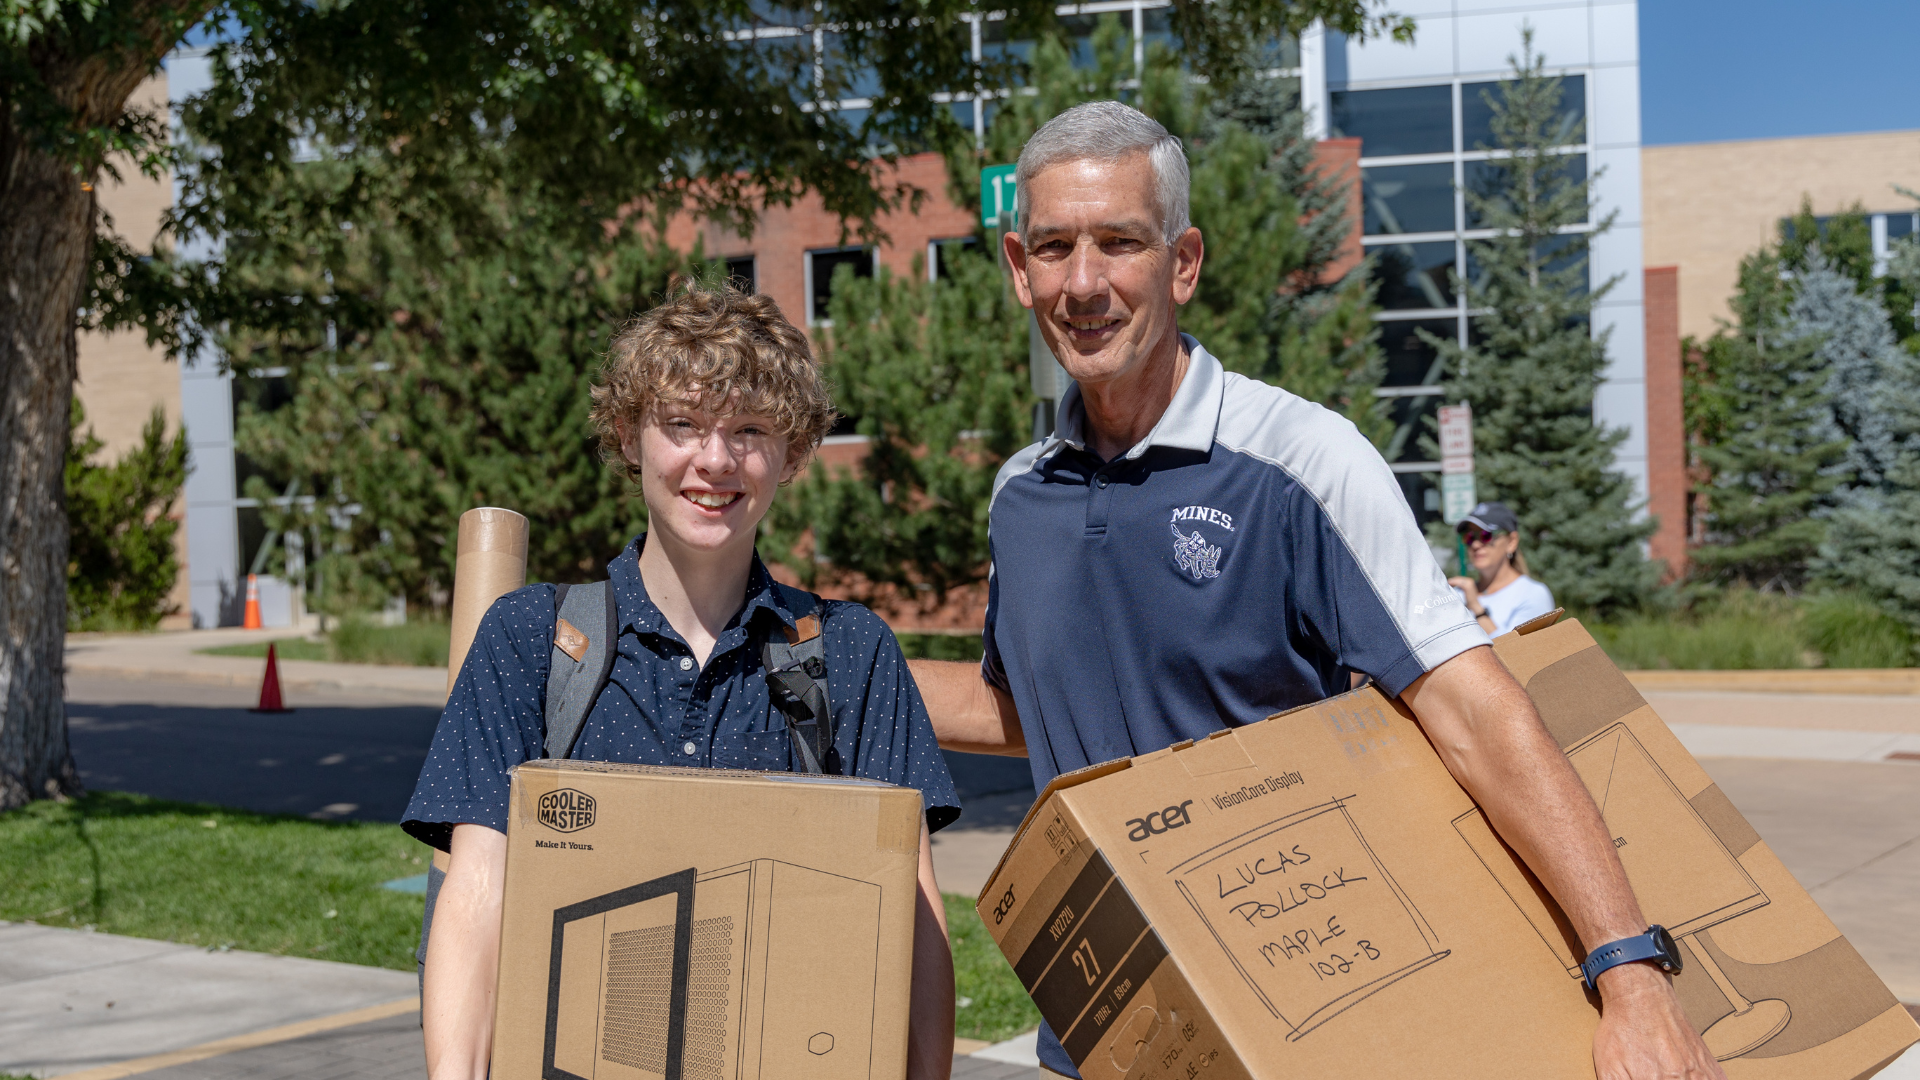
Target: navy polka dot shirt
point(662, 708)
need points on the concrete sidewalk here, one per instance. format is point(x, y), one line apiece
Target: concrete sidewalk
point(174, 656)
point(72, 1001)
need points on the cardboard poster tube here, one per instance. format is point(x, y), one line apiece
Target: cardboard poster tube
point(490, 561)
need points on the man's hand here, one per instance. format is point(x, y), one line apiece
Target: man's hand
point(970, 715)
point(1643, 1032)
point(1485, 728)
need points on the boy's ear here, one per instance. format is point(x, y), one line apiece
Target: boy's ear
point(629, 434)
point(793, 467)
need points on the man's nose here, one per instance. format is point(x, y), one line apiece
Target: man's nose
point(1086, 272)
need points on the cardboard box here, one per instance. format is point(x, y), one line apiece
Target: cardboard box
point(700, 924)
point(1314, 895)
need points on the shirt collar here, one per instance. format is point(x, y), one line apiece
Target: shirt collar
point(637, 609)
point(1191, 419)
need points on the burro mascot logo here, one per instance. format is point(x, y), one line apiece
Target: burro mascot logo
point(1159, 821)
point(566, 810)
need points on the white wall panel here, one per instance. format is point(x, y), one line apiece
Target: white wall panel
point(1486, 41)
point(1615, 116)
point(1618, 253)
point(1429, 57)
point(1616, 183)
point(1627, 340)
point(1616, 33)
point(1515, 10)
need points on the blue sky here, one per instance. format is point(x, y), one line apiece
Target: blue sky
point(1758, 69)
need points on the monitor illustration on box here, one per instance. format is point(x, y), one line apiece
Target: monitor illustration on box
point(760, 971)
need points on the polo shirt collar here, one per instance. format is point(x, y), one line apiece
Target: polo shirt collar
point(638, 611)
point(1191, 419)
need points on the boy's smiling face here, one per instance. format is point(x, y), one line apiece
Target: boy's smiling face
point(707, 480)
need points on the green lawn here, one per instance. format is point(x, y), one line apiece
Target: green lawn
point(210, 876)
point(992, 1004)
point(220, 878)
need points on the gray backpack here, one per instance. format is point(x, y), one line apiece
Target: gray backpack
point(796, 668)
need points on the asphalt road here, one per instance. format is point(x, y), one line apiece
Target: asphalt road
point(338, 755)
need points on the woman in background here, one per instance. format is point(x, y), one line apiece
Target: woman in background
point(1499, 594)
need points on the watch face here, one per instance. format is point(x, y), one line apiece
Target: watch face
point(1665, 943)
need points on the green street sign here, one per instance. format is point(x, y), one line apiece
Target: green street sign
point(996, 193)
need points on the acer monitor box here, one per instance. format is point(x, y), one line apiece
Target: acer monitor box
point(701, 924)
point(1314, 896)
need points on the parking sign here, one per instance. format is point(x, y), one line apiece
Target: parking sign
point(996, 193)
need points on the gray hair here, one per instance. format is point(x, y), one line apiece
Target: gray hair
point(1108, 131)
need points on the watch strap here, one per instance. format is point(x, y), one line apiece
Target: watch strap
point(1645, 946)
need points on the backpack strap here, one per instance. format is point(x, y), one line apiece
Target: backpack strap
point(796, 667)
point(586, 625)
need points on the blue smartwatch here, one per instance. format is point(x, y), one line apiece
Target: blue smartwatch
point(1655, 945)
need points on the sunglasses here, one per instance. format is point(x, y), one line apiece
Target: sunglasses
point(1474, 535)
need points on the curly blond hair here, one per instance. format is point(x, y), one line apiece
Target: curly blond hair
point(724, 350)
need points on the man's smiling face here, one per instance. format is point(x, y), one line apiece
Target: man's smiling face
point(1096, 268)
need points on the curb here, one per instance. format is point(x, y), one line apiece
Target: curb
point(1885, 682)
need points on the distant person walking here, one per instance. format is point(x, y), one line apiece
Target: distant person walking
point(1499, 594)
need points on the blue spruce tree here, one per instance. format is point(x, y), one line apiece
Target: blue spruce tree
point(1855, 344)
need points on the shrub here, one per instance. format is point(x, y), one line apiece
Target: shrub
point(1852, 632)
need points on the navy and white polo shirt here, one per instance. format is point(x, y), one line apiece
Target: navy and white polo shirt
point(1244, 558)
point(660, 707)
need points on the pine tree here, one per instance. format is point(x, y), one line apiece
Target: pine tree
point(1854, 342)
point(1764, 433)
point(122, 565)
point(1532, 367)
point(429, 377)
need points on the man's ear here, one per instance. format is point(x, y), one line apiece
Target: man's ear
point(1188, 253)
point(1016, 252)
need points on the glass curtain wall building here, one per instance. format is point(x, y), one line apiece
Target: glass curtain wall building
point(1422, 116)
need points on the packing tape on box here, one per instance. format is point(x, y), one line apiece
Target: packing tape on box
point(490, 561)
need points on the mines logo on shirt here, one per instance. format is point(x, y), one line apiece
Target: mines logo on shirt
point(566, 810)
point(1191, 551)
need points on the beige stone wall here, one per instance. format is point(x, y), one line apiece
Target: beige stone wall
point(1707, 205)
point(121, 377)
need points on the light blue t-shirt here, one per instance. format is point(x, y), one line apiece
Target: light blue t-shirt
point(1515, 603)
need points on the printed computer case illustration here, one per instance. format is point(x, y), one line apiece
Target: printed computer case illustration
point(1305, 964)
point(760, 971)
point(1693, 884)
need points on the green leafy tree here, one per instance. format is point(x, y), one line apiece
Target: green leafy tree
point(121, 562)
point(429, 378)
point(936, 372)
point(1761, 418)
point(1843, 244)
point(1533, 365)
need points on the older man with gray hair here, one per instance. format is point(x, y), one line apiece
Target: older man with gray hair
point(1191, 547)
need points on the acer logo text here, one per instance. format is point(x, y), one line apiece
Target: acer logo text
point(1159, 821)
point(566, 810)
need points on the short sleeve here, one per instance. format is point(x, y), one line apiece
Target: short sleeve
point(493, 720)
point(881, 723)
point(1366, 585)
point(992, 669)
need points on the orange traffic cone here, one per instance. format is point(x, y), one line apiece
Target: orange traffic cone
point(251, 620)
point(270, 686)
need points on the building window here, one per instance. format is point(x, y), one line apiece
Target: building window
point(740, 274)
point(939, 252)
point(1476, 112)
point(821, 267)
point(1389, 123)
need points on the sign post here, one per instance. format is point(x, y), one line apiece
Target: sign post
point(999, 212)
point(1457, 496)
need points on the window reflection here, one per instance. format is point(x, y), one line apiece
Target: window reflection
point(1415, 120)
point(1410, 360)
point(1414, 275)
point(1408, 198)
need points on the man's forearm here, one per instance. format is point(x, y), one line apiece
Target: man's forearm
point(969, 714)
point(463, 957)
point(930, 1023)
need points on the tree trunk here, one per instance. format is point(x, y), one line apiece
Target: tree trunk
point(46, 239)
point(77, 81)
